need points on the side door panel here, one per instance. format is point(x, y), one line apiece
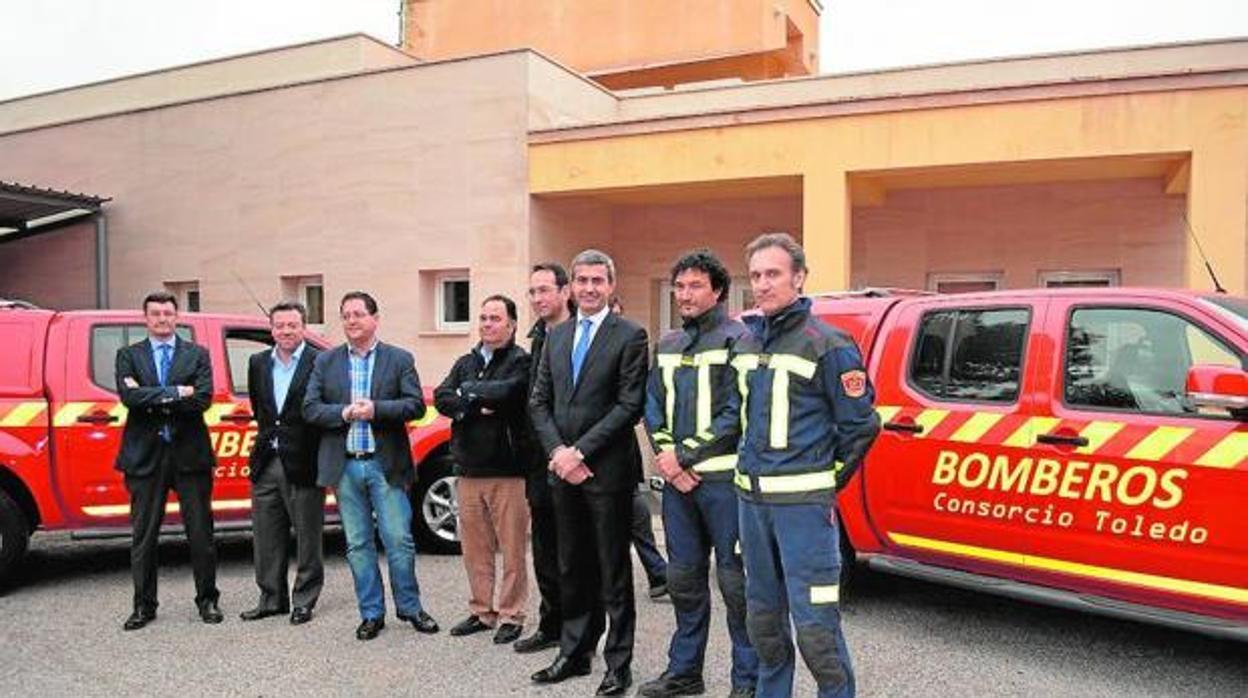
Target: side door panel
point(87, 420)
point(952, 386)
point(1155, 492)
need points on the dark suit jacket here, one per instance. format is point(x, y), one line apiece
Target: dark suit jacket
point(396, 399)
point(297, 440)
point(151, 407)
point(598, 414)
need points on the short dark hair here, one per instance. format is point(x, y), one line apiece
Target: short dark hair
point(703, 260)
point(561, 274)
point(782, 240)
point(159, 297)
point(370, 303)
point(507, 303)
point(290, 305)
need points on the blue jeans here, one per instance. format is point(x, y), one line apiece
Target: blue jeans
point(697, 523)
point(792, 567)
point(363, 492)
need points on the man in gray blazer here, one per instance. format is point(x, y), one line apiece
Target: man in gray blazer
point(363, 394)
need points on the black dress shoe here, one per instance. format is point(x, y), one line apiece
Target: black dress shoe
point(423, 622)
point(669, 684)
point(615, 683)
point(258, 612)
point(562, 669)
point(301, 615)
point(370, 628)
point(507, 633)
point(536, 642)
point(210, 612)
point(140, 618)
point(468, 626)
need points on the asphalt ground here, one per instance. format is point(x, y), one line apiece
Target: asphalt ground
point(60, 635)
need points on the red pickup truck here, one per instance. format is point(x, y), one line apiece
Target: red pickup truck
point(1082, 447)
point(60, 428)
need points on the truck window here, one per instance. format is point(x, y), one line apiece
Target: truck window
point(107, 339)
point(240, 344)
point(970, 355)
point(1136, 359)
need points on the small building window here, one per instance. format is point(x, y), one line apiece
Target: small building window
point(309, 290)
point(453, 303)
point(187, 293)
point(1080, 279)
point(972, 282)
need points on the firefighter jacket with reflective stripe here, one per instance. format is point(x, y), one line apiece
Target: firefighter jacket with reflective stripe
point(692, 402)
point(807, 418)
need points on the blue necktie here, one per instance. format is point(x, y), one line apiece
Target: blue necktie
point(581, 349)
point(166, 362)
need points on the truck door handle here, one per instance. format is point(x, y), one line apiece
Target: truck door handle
point(242, 417)
point(904, 426)
point(1062, 439)
point(96, 418)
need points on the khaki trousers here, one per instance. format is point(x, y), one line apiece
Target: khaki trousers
point(494, 518)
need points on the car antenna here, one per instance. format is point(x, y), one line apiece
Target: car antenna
point(263, 311)
point(1217, 287)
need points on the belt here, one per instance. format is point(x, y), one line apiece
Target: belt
point(361, 455)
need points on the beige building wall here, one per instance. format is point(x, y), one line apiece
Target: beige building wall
point(375, 182)
point(52, 270)
point(1129, 225)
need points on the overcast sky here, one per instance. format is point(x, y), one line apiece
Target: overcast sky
point(49, 44)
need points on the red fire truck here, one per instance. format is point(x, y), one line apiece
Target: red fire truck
point(60, 428)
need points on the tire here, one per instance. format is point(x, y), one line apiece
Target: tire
point(435, 507)
point(14, 536)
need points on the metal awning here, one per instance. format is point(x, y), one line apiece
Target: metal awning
point(26, 211)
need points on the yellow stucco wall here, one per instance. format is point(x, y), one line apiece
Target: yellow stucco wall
point(1207, 128)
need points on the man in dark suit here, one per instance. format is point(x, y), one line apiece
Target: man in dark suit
point(550, 302)
point(165, 382)
point(283, 471)
point(363, 394)
point(589, 394)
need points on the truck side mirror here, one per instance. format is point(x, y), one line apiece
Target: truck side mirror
point(1219, 388)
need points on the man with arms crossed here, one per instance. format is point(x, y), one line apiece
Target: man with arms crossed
point(363, 394)
point(283, 471)
point(165, 382)
point(486, 395)
point(808, 422)
point(589, 395)
point(693, 415)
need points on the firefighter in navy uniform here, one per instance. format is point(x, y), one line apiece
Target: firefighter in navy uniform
point(808, 421)
point(693, 413)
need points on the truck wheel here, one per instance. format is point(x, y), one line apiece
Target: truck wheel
point(435, 507)
point(14, 535)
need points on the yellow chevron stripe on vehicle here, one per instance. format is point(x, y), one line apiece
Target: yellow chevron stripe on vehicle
point(69, 413)
point(431, 414)
point(1227, 453)
point(929, 420)
point(1025, 436)
point(212, 415)
point(119, 411)
point(23, 414)
point(1161, 441)
point(887, 412)
point(974, 428)
point(1097, 433)
point(1078, 569)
